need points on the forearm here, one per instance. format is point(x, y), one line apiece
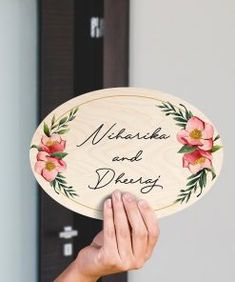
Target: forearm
point(72, 274)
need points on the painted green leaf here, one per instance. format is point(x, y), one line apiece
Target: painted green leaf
point(60, 175)
point(188, 197)
point(72, 118)
point(46, 129)
point(216, 148)
point(63, 120)
point(217, 137)
point(61, 181)
point(53, 120)
point(195, 175)
point(190, 114)
point(201, 184)
point(212, 172)
point(36, 147)
point(62, 187)
point(53, 183)
point(75, 110)
point(187, 149)
point(204, 179)
point(172, 107)
point(59, 155)
point(63, 131)
point(192, 181)
point(181, 124)
point(179, 119)
point(54, 126)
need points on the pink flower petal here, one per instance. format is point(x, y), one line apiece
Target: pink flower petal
point(54, 160)
point(190, 160)
point(193, 142)
point(208, 131)
point(49, 175)
point(194, 122)
point(63, 143)
point(206, 154)
point(52, 144)
point(57, 147)
point(207, 164)
point(185, 162)
point(42, 156)
point(44, 148)
point(44, 139)
point(206, 144)
point(61, 166)
point(181, 136)
point(39, 166)
point(55, 138)
point(192, 157)
point(195, 168)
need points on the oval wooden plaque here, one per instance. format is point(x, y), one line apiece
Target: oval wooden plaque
point(149, 143)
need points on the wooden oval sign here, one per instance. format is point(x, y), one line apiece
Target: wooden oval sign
point(149, 143)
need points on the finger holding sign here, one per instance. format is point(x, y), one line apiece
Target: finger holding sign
point(139, 233)
point(151, 223)
point(122, 229)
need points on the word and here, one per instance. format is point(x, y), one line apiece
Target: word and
point(136, 158)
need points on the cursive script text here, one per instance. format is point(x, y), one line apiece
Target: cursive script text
point(108, 176)
point(99, 134)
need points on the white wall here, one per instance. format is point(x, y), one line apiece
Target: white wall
point(18, 120)
point(186, 48)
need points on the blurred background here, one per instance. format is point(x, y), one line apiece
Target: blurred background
point(185, 48)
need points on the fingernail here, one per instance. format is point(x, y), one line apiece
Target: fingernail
point(117, 195)
point(128, 197)
point(143, 204)
point(108, 203)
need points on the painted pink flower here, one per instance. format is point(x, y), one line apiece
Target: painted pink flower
point(52, 144)
point(197, 160)
point(197, 133)
point(48, 166)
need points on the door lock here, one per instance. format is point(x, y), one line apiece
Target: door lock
point(68, 233)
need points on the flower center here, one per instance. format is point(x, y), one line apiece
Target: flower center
point(196, 134)
point(50, 165)
point(200, 161)
point(50, 143)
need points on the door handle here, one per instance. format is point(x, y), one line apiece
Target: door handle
point(68, 233)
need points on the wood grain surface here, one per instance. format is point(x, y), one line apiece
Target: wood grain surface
point(121, 138)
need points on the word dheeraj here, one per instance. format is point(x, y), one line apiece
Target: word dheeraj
point(108, 176)
point(97, 135)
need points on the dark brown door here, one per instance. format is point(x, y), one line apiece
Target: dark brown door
point(83, 46)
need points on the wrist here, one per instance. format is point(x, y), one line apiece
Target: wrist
point(83, 277)
point(73, 274)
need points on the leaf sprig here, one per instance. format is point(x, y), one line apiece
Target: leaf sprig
point(195, 181)
point(60, 127)
point(181, 116)
point(60, 185)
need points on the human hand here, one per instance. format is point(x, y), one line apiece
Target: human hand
point(130, 232)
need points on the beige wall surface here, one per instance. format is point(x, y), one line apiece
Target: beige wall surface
point(18, 243)
point(186, 48)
